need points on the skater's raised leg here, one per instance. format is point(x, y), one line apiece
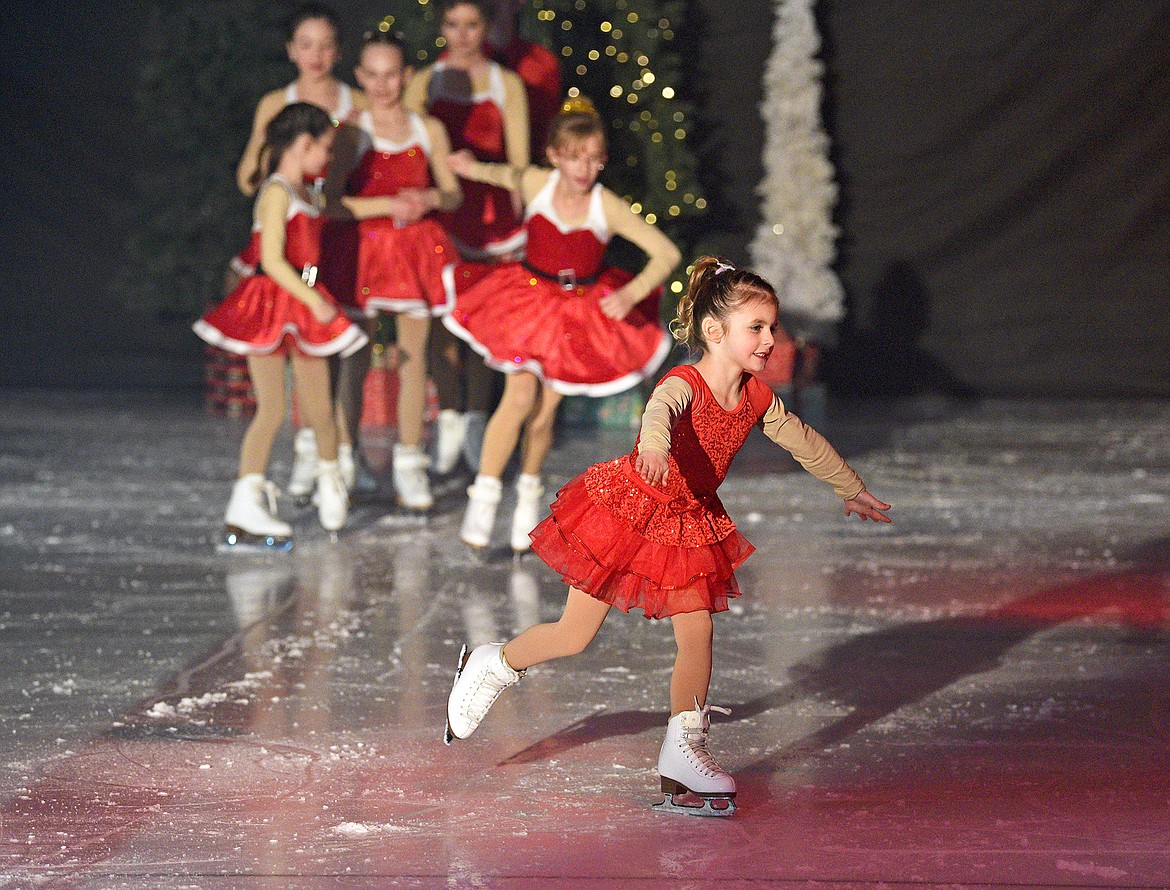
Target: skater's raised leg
point(493, 667)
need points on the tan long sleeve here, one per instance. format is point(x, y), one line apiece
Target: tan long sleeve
point(668, 401)
point(811, 450)
point(271, 209)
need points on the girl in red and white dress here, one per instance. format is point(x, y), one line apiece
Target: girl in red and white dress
point(558, 323)
point(648, 531)
point(402, 160)
point(484, 108)
point(313, 42)
point(282, 314)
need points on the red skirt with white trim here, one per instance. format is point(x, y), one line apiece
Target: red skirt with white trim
point(400, 268)
point(519, 320)
point(260, 317)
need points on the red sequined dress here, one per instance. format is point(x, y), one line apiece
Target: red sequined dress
point(543, 315)
point(485, 224)
point(663, 550)
point(400, 267)
point(260, 317)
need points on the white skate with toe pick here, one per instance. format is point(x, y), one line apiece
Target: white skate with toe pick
point(689, 771)
point(479, 679)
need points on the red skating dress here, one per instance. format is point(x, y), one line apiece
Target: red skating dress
point(543, 315)
point(400, 267)
point(485, 224)
point(260, 317)
point(245, 262)
point(665, 551)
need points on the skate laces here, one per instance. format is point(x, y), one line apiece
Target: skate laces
point(486, 693)
point(696, 738)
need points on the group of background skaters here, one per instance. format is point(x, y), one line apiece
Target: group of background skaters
point(416, 198)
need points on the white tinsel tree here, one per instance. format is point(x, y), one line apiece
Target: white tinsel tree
point(794, 244)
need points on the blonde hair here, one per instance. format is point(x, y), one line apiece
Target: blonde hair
point(576, 119)
point(715, 288)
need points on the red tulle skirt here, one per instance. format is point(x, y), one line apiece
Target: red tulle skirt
point(258, 316)
point(520, 321)
point(400, 268)
point(608, 557)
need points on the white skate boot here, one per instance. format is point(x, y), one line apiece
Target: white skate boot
point(479, 679)
point(250, 519)
point(410, 477)
point(304, 470)
point(528, 492)
point(687, 767)
point(332, 498)
point(450, 430)
point(482, 500)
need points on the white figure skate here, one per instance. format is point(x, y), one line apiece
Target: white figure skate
point(303, 479)
point(410, 477)
point(483, 497)
point(450, 431)
point(528, 492)
point(332, 497)
point(688, 769)
point(479, 679)
point(250, 520)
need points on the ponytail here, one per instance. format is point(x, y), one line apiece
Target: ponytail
point(715, 287)
point(282, 131)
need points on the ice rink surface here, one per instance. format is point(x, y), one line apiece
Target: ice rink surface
point(975, 696)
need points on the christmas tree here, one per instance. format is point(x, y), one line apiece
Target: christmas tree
point(199, 87)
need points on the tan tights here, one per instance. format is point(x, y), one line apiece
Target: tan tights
point(311, 381)
point(579, 624)
point(529, 405)
point(412, 377)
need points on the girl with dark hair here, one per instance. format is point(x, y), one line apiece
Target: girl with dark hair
point(484, 108)
point(282, 315)
point(402, 160)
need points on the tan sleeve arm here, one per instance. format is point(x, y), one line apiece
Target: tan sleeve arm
point(526, 180)
point(414, 97)
point(517, 135)
point(662, 255)
point(811, 450)
point(669, 399)
point(448, 195)
point(267, 108)
point(271, 209)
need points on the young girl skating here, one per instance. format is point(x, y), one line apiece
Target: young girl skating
point(648, 530)
point(282, 314)
point(484, 108)
point(559, 323)
point(313, 44)
point(401, 256)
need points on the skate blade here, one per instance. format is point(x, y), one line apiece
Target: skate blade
point(449, 735)
point(717, 806)
point(239, 541)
